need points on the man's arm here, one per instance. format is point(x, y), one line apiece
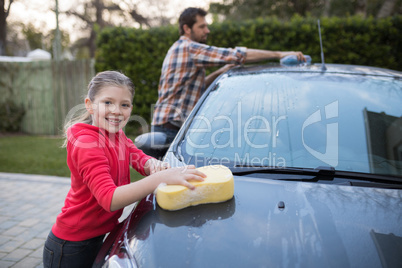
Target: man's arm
point(212, 76)
point(254, 55)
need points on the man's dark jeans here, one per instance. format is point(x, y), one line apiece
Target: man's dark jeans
point(170, 133)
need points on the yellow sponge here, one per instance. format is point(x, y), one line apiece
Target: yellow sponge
point(218, 186)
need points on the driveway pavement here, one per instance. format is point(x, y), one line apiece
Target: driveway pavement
point(29, 205)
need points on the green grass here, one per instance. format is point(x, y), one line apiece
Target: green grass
point(36, 155)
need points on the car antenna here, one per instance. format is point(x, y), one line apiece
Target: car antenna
point(323, 68)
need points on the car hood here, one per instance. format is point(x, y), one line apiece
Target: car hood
point(273, 224)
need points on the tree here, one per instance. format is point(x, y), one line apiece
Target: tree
point(248, 9)
point(34, 36)
point(17, 45)
point(4, 12)
point(93, 14)
point(387, 8)
point(155, 7)
point(284, 9)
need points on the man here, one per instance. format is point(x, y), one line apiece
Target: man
point(183, 79)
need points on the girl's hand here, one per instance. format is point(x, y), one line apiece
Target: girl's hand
point(125, 195)
point(182, 176)
point(153, 165)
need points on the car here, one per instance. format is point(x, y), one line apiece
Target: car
point(316, 155)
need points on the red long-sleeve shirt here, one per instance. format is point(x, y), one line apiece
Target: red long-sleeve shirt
point(99, 162)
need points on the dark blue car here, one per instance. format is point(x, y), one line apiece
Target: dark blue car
point(317, 162)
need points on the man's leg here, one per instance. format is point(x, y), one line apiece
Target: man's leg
point(170, 132)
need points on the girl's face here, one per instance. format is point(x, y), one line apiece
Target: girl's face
point(111, 108)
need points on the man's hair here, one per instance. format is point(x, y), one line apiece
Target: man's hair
point(189, 17)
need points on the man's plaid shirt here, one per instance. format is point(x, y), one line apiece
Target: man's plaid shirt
point(182, 80)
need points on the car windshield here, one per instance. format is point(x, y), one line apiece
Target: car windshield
point(295, 119)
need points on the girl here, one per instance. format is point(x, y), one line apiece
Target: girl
point(99, 155)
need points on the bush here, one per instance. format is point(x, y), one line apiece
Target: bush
point(11, 116)
point(354, 40)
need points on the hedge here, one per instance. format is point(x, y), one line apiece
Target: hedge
point(139, 53)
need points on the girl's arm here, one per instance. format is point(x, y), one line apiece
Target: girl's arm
point(130, 193)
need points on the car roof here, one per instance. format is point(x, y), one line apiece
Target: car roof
point(316, 68)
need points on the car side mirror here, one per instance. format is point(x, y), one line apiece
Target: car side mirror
point(153, 144)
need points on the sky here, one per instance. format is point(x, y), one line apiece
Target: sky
point(38, 12)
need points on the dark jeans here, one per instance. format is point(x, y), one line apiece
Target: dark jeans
point(61, 253)
point(170, 133)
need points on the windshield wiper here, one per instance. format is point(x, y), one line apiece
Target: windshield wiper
point(319, 173)
point(249, 169)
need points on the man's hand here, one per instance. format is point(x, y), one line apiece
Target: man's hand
point(299, 54)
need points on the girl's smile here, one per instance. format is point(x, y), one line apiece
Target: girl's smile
point(111, 108)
